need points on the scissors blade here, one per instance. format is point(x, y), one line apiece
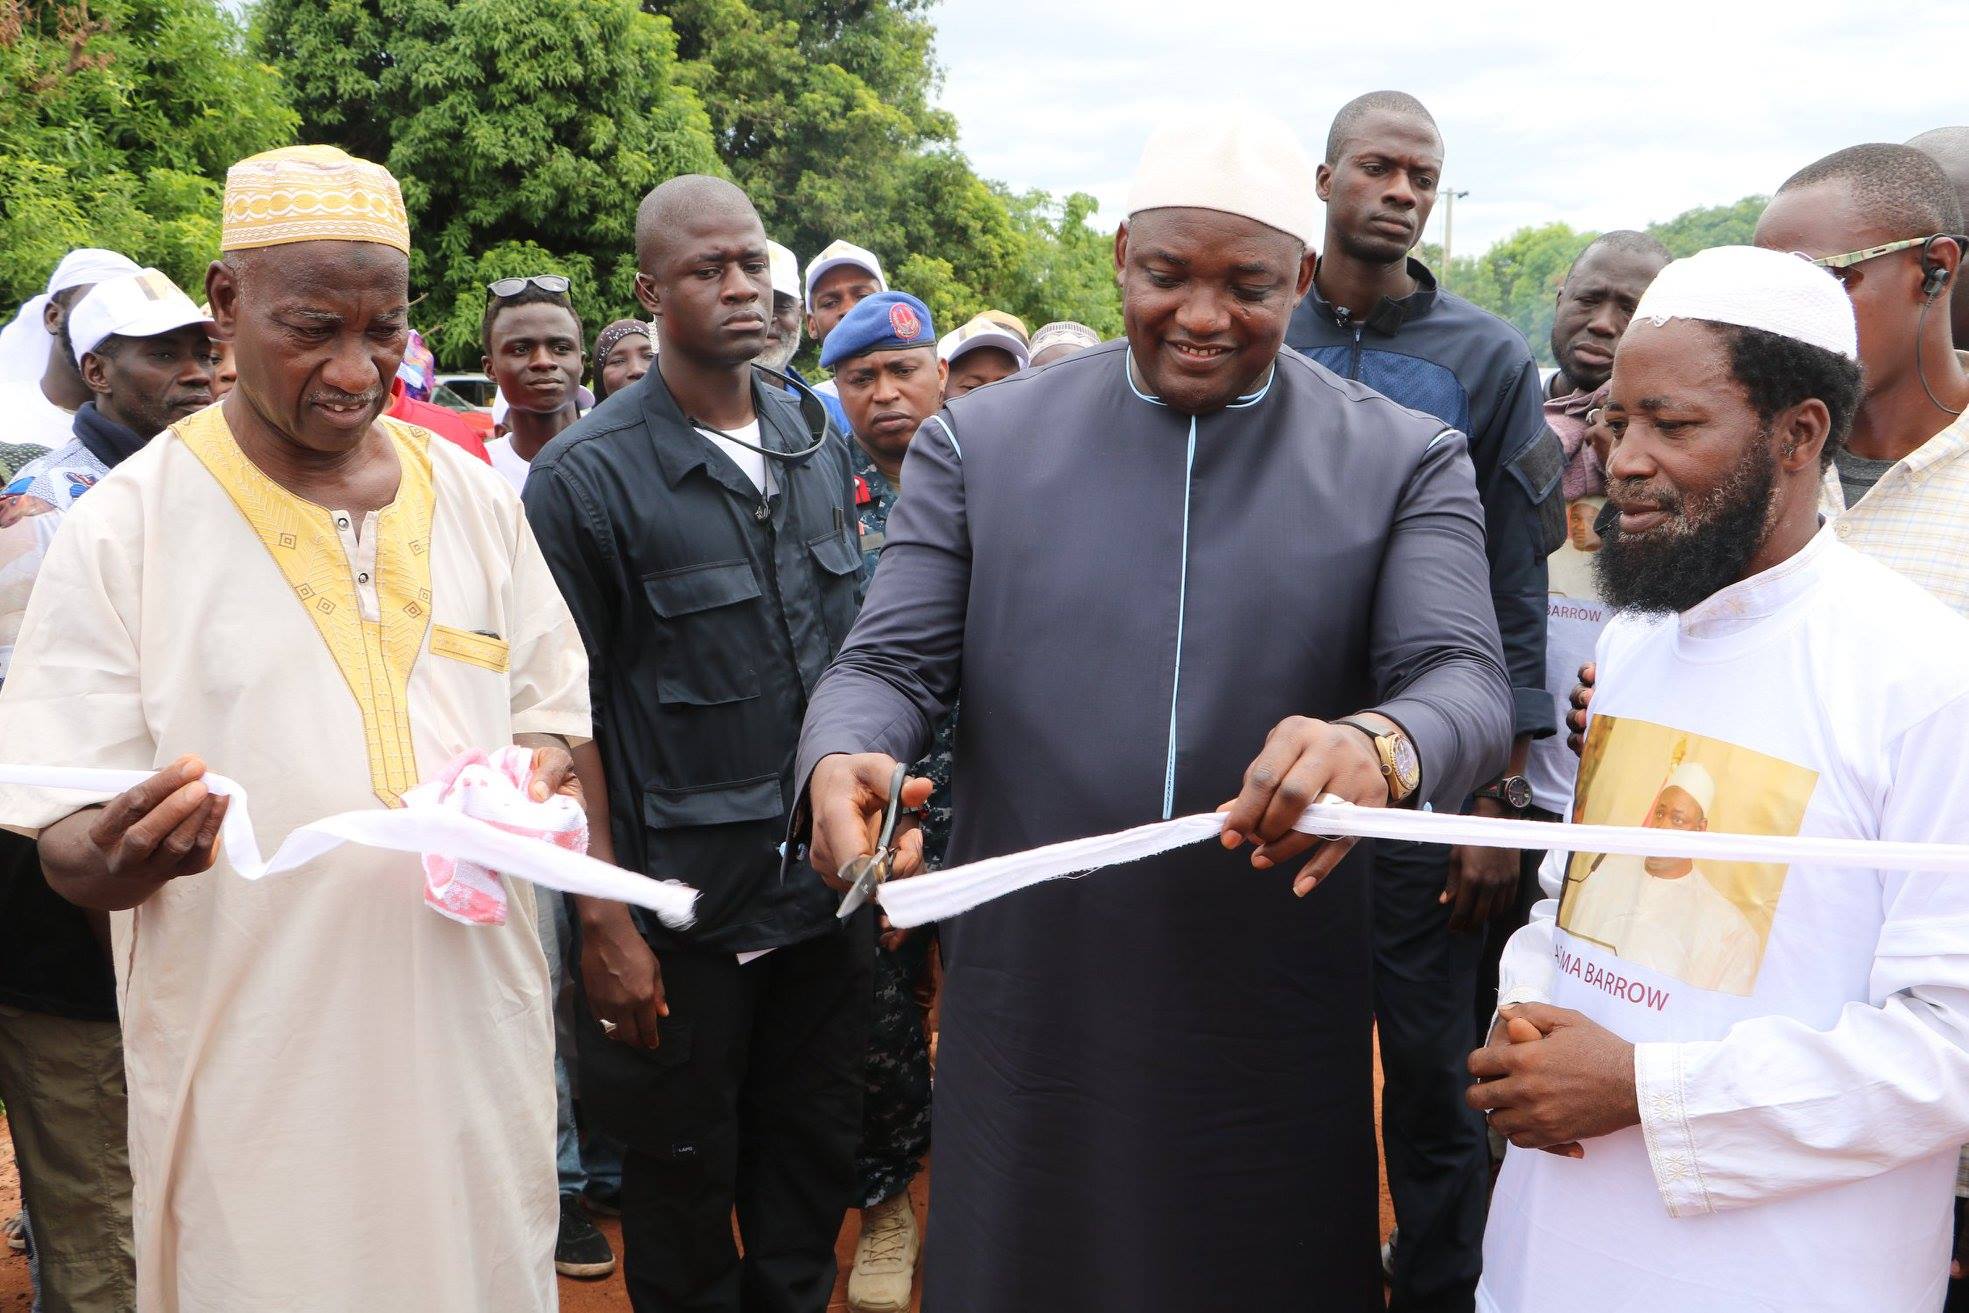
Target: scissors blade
point(871, 870)
point(864, 875)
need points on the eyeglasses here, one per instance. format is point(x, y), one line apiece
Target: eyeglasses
point(505, 287)
point(1837, 265)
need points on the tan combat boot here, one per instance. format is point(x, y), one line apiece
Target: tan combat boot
point(885, 1258)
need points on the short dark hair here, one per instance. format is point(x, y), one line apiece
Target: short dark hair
point(1902, 187)
point(1779, 372)
point(1351, 114)
point(1621, 239)
point(528, 295)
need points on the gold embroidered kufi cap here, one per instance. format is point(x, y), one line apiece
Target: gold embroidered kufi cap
point(311, 194)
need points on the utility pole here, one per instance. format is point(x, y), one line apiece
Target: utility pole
point(1449, 226)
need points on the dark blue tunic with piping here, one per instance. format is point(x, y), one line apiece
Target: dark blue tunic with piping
point(1154, 1083)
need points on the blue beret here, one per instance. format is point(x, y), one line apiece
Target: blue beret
point(886, 321)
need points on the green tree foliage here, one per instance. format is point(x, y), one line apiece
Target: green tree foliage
point(1518, 278)
point(523, 134)
point(822, 112)
point(118, 119)
point(1712, 225)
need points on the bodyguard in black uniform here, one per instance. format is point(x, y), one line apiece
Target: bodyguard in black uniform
point(701, 526)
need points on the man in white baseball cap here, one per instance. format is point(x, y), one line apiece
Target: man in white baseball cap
point(783, 327)
point(39, 385)
point(989, 347)
point(837, 280)
point(146, 354)
point(143, 303)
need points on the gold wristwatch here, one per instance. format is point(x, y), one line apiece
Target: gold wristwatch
point(1400, 767)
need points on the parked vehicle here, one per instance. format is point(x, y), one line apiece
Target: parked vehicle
point(479, 418)
point(476, 389)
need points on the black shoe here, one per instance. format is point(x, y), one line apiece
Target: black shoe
point(581, 1250)
point(603, 1200)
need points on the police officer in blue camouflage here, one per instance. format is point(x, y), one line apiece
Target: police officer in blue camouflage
point(884, 358)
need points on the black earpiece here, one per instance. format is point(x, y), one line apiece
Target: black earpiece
point(1933, 276)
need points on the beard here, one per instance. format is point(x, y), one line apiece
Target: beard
point(1705, 546)
point(780, 351)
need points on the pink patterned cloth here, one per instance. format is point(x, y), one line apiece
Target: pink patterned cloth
point(1585, 476)
point(491, 787)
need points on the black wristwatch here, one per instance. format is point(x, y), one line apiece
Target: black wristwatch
point(1514, 791)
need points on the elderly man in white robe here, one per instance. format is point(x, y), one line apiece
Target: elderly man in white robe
point(339, 1099)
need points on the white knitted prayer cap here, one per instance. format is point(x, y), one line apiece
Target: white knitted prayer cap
point(1237, 160)
point(1694, 781)
point(1754, 288)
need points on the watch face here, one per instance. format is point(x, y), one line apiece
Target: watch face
point(1407, 769)
point(1517, 793)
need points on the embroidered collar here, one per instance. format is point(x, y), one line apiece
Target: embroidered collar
point(1244, 402)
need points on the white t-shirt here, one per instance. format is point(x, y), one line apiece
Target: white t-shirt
point(1574, 617)
point(1802, 1094)
point(507, 461)
point(27, 416)
point(752, 463)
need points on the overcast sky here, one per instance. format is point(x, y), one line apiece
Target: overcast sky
point(1603, 115)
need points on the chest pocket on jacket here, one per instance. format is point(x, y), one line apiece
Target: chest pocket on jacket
point(707, 632)
point(835, 554)
point(839, 578)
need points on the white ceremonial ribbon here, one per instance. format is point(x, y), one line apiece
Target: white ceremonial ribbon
point(410, 829)
point(922, 899)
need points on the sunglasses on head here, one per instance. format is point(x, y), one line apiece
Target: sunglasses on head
point(505, 287)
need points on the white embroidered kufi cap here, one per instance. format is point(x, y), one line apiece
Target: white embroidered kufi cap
point(1239, 160)
point(1754, 288)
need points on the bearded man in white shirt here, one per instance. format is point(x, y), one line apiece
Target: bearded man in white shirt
point(1792, 1147)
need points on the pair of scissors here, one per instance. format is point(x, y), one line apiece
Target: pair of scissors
point(864, 874)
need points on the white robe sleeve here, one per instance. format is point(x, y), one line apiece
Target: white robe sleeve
point(74, 694)
point(1524, 973)
point(1776, 1108)
point(549, 667)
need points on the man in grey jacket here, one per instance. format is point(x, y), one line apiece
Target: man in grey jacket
point(1154, 1087)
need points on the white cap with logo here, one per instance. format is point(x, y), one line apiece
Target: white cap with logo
point(142, 304)
point(837, 254)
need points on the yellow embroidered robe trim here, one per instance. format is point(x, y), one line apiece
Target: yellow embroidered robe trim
point(375, 657)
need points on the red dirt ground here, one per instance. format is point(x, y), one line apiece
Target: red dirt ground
point(576, 1296)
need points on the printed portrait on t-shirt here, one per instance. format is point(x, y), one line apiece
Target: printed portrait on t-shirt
point(1570, 566)
point(1702, 922)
